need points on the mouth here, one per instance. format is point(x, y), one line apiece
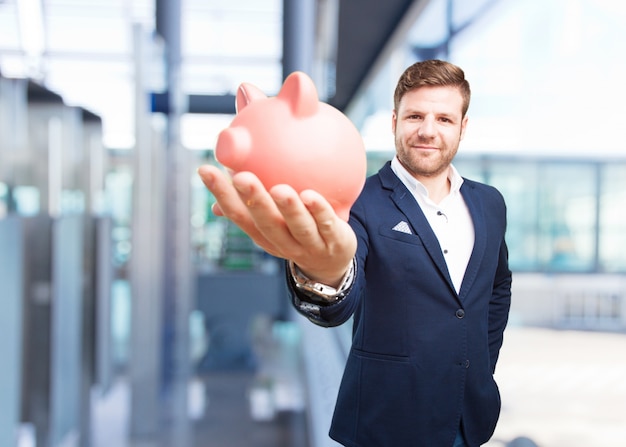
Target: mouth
point(423, 147)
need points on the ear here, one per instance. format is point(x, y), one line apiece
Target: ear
point(394, 122)
point(247, 93)
point(299, 92)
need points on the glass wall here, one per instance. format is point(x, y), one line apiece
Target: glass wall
point(552, 212)
point(612, 222)
point(564, 216)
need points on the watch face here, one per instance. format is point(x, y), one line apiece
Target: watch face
point(321, 289)
point(317, 292)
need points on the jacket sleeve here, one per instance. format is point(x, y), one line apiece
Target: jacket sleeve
point(318, 312)
point(337, 313)
point(499, 305)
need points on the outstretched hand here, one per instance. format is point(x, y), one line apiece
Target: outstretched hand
point(301, 227)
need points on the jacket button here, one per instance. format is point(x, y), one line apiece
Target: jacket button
point(460, 313)
point(467, 363)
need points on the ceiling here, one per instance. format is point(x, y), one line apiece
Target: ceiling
point(366, 28)
point(83, 49)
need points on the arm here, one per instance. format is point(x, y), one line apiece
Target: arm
point(301, 227)
point(499, 305)
point(337, 311)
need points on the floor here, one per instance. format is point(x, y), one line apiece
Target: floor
point(562, 388)
point(224, 418)
point(559, 389)
point(231, 406)
point(228, 421)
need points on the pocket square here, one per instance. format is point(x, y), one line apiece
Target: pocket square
point(402, 227)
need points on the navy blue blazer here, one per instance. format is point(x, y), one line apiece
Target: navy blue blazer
point(422, 357)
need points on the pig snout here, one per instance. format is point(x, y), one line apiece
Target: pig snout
point(233, 147)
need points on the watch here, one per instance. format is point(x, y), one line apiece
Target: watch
point(318, 291)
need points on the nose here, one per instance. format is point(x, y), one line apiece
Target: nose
point(427, 128)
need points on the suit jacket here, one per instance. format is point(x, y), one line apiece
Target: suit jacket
point(422, 357)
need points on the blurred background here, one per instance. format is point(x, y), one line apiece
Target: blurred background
point(132, 316)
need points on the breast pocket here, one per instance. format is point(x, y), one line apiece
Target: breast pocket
point(400, 236)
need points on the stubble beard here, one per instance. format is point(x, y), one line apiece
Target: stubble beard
point(430, 165)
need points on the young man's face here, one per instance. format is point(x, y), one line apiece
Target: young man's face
point(428, 128)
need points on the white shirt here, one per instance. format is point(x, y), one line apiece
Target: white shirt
point(450, 220)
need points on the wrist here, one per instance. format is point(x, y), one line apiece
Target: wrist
point(316, 289)
point(332, 278)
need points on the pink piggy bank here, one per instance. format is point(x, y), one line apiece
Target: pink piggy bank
point(295, 139)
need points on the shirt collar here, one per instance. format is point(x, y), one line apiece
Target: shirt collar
point(414, 185)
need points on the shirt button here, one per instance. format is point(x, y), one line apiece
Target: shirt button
point(460, 313)
point(445, 252)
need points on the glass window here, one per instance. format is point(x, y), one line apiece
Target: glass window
point(470, 167)
point(552, 212)
point(4, 200)
point(612, 237)
point(119, 196)
point(518, 183)
point(377, 159)
point(567, 217)
point(27, 200)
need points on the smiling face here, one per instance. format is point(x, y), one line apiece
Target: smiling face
point(428, 126)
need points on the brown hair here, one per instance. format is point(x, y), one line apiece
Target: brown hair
point(432, 73)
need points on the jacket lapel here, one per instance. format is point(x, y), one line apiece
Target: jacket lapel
point(475, 206)
point(405, 201)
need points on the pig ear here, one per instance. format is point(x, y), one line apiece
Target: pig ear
point(247, 93)
point(300, 93)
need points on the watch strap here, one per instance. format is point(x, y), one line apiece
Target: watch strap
point(316, 290)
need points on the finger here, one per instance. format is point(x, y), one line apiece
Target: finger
point(230, 205)
point(274, 214)
point(265, 212)
point(337, 234)
point(215, 208)
point(322, 212)
point(251, 190)
point(301, 225)
point(336, 244)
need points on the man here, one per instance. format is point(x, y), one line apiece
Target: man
point(422, 266)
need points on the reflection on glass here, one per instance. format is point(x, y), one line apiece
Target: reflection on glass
point(612, 235)
point(518, 183)
point(27, 200)
point(4, 200)
point(567, 216)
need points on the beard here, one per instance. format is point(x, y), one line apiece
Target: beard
point(425, 164)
